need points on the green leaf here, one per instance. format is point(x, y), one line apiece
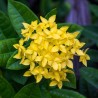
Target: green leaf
point(74, 28)
point(2, 35)
point(18, 14)
point(13, 64)
point(45, 93)
point(72, 81)
point(93, 28)
point(63, 24)
point(93, 55)
point(90, 75)
point(91, 32)
point(52, 12)
point(6, 26)
point(6, 90)
point(7, 45)
point(94, 9)
point(57, 93)
point(18, 77)
point(24, 2)
point(45, 6)
point(4, 58)
point(83, 86)
point(87, 89)
point(29, 91)
point(3, 6)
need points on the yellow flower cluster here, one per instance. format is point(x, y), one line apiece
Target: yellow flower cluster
point(50, 52)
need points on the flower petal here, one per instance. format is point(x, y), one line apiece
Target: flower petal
point(53, 83)
point(52, 18)
point(70, 64)
point(43, 19)
point(38, 78)
point(55, 49)
point(27, 74)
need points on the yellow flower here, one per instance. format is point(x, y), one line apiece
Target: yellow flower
point(47, 23)
point(50, 51)
point(39, 72)
point(84, 58)
point(77, 46)
point(57, 78)
point(20, 49)
point(54, 83)
point(29, 28)
point(27, 74)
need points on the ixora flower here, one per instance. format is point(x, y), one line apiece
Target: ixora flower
point(50, 51)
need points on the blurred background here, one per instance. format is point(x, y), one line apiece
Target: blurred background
point(83, 13)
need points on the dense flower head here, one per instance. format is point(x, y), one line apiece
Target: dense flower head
point(50, 51)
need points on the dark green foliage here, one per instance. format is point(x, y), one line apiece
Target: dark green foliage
point(90, 75)
point(6, 28)
point(6, 90)
point(65, 94)
point(13, 64)
point(29, 91)
point(72, 81)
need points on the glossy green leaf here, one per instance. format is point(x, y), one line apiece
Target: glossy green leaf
point(93, 55)
point(7, 45)
point(6, 90)
point(83, 86)
point(90, 75)
point(94, 9)
point(3, 6)
point(24, 2)
point(4, 58)
point(13, 64)
point(45, 93)
point(18, 77)
point(2, 35)
point(91, 32)
point(45, 6)
point(93, 28)
point(18, 14)
point(57, 93)
point(52, 12)
point(74, 28)
point(72, 81)
point(29, 91)
point(63, 24)
point(6, 26)
point(87, 89)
